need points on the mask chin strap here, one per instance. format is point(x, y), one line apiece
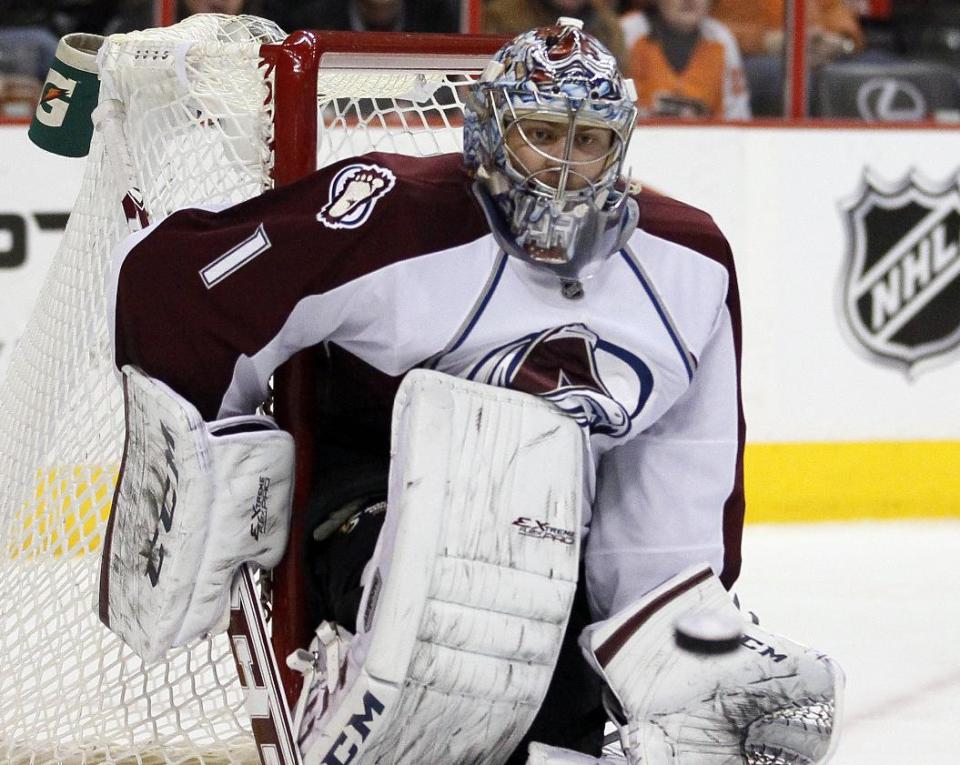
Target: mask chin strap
point(601, 233)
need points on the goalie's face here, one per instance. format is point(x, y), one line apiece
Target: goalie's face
point(559, 154)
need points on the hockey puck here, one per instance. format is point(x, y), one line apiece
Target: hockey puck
point(709, 632)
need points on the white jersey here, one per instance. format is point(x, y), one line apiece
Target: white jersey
point(389, 263)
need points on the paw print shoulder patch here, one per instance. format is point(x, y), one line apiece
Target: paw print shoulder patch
point(353, 193)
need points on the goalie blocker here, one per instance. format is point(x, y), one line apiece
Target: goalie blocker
point(194, 502)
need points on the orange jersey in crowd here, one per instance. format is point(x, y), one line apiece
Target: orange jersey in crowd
point(711, 85)
point(749, 20)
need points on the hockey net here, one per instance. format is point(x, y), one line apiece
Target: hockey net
point(205, 103)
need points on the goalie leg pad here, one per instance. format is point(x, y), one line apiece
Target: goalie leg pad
point(469, 589)
point(769, 700)
point(194, 502)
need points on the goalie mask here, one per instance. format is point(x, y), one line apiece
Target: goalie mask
point(545, 134)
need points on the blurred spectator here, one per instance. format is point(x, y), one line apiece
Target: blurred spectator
point(511, 17)
point(139, 14)
point(927, 29)
point(230, 7)
point(25, 56)
point(758, 26)
point(60, 17)
point(833, 32)
point(684, 63)
point(26, 50)
point(371, 15)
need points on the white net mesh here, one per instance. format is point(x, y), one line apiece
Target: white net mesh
point(411, 112)
point(198, 128)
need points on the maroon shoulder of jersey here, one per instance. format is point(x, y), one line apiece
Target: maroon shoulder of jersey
point(363, 213)
point(204, 287)
point(690, 227)
point(683, 224)
point(426, 207)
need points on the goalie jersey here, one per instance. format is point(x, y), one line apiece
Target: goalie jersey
point(385, 263)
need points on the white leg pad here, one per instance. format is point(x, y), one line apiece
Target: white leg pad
point(469, 590)
point(194, 502)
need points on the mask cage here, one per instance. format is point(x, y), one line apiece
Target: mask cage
point(511, 108)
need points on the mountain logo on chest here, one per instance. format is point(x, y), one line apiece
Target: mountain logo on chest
point(601, 385)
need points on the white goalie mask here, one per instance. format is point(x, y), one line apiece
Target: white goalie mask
point(545, 133)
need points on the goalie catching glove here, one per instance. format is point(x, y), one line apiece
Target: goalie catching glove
point(194, 502)
point(768, 701)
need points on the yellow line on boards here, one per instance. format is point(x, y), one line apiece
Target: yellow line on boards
point(65, 515)
point(813, 482)
point(785, 483)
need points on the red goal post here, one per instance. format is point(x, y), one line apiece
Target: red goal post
point(298, 61)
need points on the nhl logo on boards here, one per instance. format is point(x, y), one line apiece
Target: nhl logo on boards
point(901, 288)
point(353, 193)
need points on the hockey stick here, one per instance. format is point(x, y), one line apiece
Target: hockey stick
point(259, 674)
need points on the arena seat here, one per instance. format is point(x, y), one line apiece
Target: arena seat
point(892, 91)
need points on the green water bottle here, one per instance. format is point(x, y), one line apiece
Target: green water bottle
point(62, 123)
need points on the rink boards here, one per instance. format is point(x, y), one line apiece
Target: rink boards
point(839, 425)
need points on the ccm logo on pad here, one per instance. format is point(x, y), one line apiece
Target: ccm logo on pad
point(356, 732)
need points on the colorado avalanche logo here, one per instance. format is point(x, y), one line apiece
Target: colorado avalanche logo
point(353, 194)
point(600, 385)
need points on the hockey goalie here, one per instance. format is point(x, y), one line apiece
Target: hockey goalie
point(528, 499)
